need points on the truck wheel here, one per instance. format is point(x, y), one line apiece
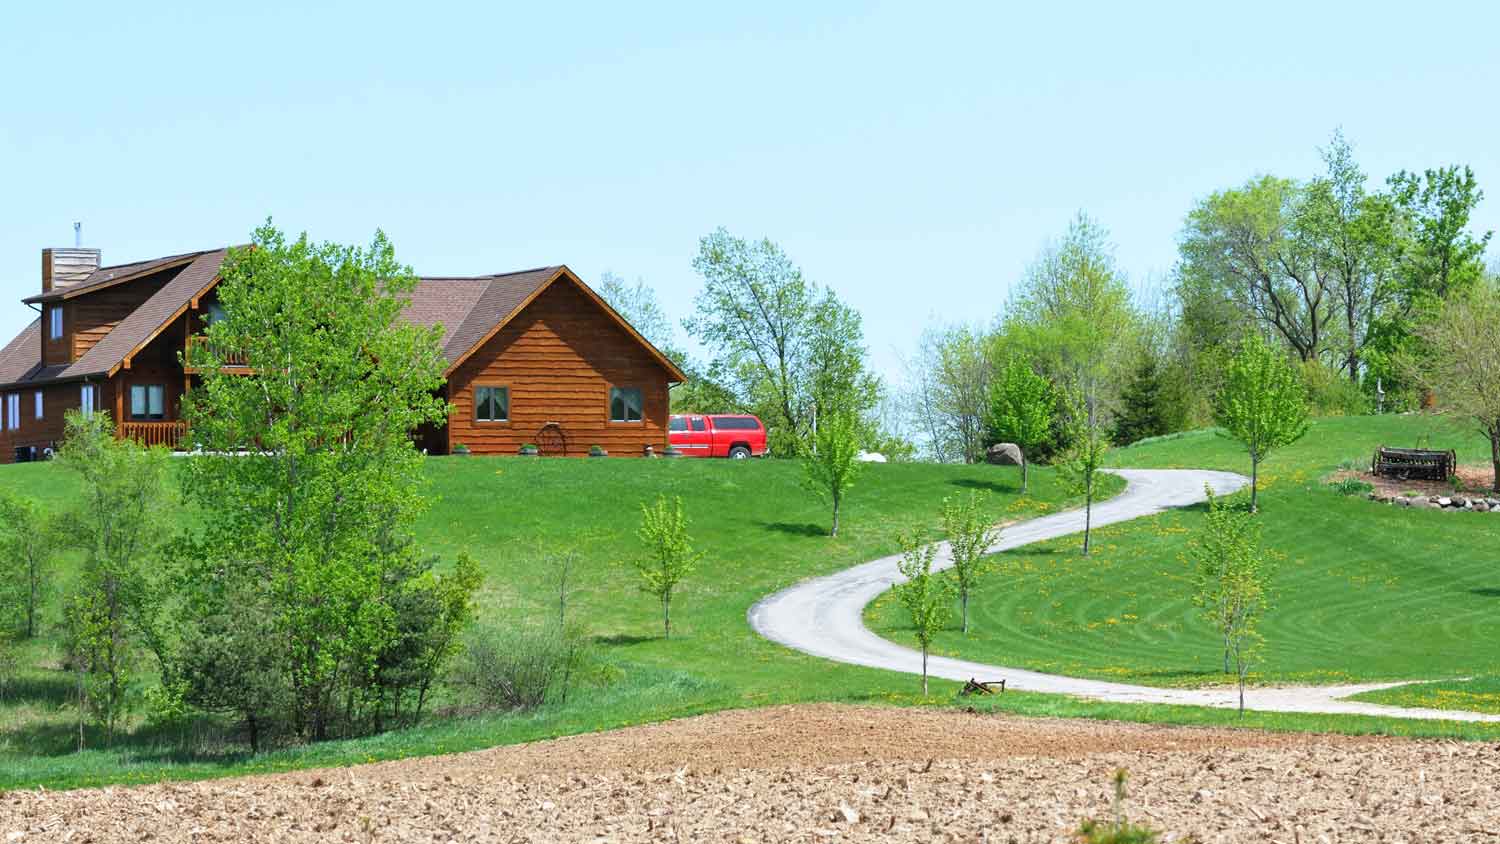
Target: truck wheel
point(739, 452)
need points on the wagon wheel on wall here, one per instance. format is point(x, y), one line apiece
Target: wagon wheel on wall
point(551, 441)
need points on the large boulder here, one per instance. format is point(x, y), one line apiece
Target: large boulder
point(1005, 454)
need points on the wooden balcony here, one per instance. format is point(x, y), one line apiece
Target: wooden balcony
point(199, 349)
point(169, 434)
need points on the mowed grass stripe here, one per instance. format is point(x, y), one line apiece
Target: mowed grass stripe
point(1364, 591)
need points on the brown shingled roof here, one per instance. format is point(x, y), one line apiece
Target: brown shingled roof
point(119, 273)
point(469, 309)
point(22, 355)
point(147, 321)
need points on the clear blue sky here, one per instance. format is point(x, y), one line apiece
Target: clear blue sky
point(912, 156)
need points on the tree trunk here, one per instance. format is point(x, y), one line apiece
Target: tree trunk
point(924, 671)
point(1025, 474)
point(963, 600)
point(1495, 456)
point(1242, 694)
point(666, 614)
point(1254, 484)
point(835, 531)
point(1088, 520)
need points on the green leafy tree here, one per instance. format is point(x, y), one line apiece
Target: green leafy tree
point(669, 554)
point(1261, 403)
point(785, 349)
point(1072, 314)
point(970, 535)
point(927, 595)
point(1353, 233)
point(639, 305)
point(1080, 465)
point(1460, 365)
point(28, 543)
point(831, 467)
point(117, 521)
point(1231, 574)
point(1439, 258)
point(1021, 408)
point(948, 394)
point(313, 521)
point(1246, 248)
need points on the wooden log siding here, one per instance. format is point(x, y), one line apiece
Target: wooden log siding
point(94, 315)
point(559, 357)
point(57, 399)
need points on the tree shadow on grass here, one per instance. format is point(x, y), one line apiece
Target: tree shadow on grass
point(55, 689)
point(987, 486)
point(624, 639)
point(794, 529)
point(1486, 591)
point(1183, 674)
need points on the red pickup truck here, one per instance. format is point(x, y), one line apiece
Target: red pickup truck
point(737, 436)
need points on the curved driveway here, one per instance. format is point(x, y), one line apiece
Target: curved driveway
point(825, 616)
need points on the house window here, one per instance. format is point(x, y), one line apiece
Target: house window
point(148, 401)
point(491, 404)
point(13, 411)
point(39, 404)
point(55, 318)
point(86, 399)
point(624, 404)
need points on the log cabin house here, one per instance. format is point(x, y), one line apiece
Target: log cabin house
point(534, 356)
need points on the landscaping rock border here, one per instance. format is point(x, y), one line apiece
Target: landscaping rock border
point(1451, 503)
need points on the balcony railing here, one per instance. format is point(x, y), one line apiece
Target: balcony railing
point(199, 350)
point(148, 434)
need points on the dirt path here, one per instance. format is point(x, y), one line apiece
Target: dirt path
point(824, 773)
point(824, 616)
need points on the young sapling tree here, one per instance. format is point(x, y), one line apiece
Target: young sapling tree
point(970, 535)
point(1021, 405)
point(1081, 463)
point(1231, 575)
point(832, 466)
point(927, 596)
point(28, 542)
point(669, 553)
point(1262, 403)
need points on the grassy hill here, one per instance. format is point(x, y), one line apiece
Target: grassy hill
point(759, 529)
point(1364, 591)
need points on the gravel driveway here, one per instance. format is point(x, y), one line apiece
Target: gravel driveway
point(825, 616)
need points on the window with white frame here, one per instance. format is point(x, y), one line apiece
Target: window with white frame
point(86, 399)
point(39, 411)
point(55, 316)
point(13, 411)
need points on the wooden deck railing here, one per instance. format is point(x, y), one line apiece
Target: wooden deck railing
point(198, 348)
point(168, 434)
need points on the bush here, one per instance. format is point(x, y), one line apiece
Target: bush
point(519, 669)
point(1352, 486)
point(1331, 394)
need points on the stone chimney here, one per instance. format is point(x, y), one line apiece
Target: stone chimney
point(66, 267)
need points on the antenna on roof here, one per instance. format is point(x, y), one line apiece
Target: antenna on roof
point(77, 234)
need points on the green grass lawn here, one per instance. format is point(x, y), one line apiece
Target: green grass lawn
point(760, 530)
point(1364, 591)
